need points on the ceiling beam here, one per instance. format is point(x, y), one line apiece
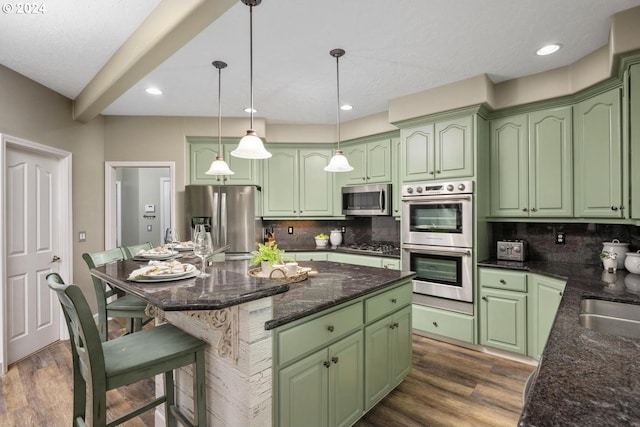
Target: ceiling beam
point(169, 27)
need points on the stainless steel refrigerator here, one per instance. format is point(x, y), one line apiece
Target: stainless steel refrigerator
point(230, 213)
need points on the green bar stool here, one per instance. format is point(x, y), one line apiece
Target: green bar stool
point(104, 366)
point(133, 250)
point(130, 307)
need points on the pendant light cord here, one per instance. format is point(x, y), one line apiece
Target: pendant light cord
point(251, 59)
point(338, 96)
point(219, 112)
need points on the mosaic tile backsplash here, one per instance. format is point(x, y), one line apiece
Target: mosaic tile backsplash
point(583, 241)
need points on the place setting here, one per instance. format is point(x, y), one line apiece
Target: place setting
point(163, 271)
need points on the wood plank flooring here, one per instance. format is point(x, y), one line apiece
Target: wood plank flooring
point(448, 386)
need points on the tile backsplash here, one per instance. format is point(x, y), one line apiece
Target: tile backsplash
point(358, 230)
point(583, 241)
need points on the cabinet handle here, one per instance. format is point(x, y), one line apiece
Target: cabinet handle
point(484, 298)
point(435, 324)
point(326, 364)
point(431, 173)
point(621, 208)
point(614, 208)
point(534, 210)
point(330, 328)
point(364, 179)
point(524, 209)
point(391, 326)
point(438, 171)
point(294, 211)
point(503, 281)
point(560, 293)
point(393, 300)
point(396, 324)
point(334, 359)
point(368, 177)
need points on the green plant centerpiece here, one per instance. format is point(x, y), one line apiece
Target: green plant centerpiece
point(267, 255)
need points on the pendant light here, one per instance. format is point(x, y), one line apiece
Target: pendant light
point(250, 146)
point(338, 162)
point(219, 166)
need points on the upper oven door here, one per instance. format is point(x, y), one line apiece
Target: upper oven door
point(438, 220)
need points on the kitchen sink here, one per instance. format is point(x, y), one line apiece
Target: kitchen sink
point(609, 317)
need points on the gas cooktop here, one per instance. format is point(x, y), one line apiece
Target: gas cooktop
point(373, 247)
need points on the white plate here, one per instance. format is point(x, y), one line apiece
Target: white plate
point(168, 277)
point(157, 256)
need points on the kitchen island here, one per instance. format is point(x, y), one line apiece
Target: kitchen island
point(585, 377)
point(245, 320)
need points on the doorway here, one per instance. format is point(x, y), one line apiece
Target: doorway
point(138, 205)
point(35, 239)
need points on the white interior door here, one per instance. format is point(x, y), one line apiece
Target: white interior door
point(31, 251)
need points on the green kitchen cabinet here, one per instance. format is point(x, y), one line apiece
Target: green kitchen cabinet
point(387, 354)
point(438, 150)
point(531, 164)
point(545, 295)
point(308, 256)
point(634, 138)
point(325, 388)
point(598, 157)
point(371, 162)
point(390, 263)
point(446, 323)
point(296, 184)
point(203, 151)
point(355, 259)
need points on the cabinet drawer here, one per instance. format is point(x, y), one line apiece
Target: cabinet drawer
point(387, 302)
point(503, 279)
point(318, 332)
point(447, 323)
point(309, 256)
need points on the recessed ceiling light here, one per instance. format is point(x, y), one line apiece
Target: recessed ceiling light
point(548, 49)
point(250, 110)
point(153, 91)
point(346, 107)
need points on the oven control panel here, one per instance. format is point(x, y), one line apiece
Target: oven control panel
point(511, 250)
point(437, 188)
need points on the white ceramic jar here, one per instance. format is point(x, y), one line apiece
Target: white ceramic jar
point(620, 249)
point(632, 262)
point(335, 237)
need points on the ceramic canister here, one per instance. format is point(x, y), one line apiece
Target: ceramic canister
point(620, 249)
point(632, 262)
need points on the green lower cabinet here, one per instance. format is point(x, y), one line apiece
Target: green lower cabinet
point(545, 294)
point(325, 388)
point(443, 322)
point(308, 256)
point(370, 261)
point(388, 354)
point(391, 264)
point(503, 320)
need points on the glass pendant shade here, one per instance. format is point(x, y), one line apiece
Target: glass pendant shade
point(338, 163)
point(219, 167)
point(251, 147)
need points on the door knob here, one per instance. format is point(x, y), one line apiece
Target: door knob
point(55, 258)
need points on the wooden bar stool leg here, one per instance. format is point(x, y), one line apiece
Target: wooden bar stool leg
point(169, 392)
point(200, 391)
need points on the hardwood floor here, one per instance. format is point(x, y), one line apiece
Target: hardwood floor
point(448, 386)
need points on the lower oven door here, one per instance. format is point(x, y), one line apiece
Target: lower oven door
point(444, 272)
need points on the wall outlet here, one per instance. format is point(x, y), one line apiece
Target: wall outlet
point(343, 229)
point(290, 230)
point(560, 238)
point(82, 236)
point(149, 227)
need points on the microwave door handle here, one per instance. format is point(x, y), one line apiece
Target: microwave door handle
point(381, 199)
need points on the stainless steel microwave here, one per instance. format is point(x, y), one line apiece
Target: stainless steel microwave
point(367, 200)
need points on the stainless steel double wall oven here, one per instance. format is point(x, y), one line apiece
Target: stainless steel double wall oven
point(437, 243)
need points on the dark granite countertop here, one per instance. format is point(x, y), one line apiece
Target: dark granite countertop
point(334, 284)
point(585, 377)
point(229, 285)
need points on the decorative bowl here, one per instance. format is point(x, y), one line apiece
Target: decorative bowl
point(322, 242)
point(632, 262)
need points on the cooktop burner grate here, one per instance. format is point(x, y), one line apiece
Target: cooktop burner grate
point(379, 248)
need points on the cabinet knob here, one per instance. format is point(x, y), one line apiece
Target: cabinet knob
point(294, 211)
point(438, 171)
point(431, 173)
point(560, 293)
point(435, 324)
point(614, 208)
point(394, 300)
point(484, 299)
point(503, 281)
point(326, 364)
point(334, 359)
point(396, 324)
point(621, 208)
point(524, 209)
point(368, 177)
point(534, 210)
point(392, 326)
point(364, 179)
point(330, 328)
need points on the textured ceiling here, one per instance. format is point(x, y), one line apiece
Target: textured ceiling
point(393, 48)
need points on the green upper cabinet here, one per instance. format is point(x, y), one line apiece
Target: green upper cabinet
point(531, 165)
point(371, 162)
point(203, 151)
point(634, 137)
point(296, 184)
point(598, 157)
point(439, 150)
